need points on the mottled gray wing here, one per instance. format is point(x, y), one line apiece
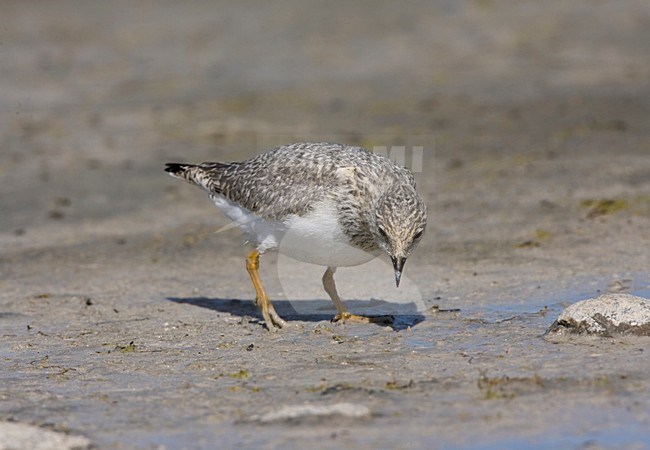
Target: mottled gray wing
point(291, 179)
point(273, 185)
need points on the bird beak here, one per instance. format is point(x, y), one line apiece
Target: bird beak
point(398, 265)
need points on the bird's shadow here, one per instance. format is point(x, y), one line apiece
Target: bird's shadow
point(404, 314)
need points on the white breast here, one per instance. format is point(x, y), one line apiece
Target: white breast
point(315, 238)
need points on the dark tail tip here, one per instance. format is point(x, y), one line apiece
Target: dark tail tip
point(175, 168)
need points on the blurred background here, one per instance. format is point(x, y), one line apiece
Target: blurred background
point(515, 103)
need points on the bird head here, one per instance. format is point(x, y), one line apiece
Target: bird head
point(400, 221)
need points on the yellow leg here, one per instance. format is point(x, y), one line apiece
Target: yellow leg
point(271, 318)
point(343, 314)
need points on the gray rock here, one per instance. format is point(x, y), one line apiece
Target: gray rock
point(606, 315)
point(14, 436)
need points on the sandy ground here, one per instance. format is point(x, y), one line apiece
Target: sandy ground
point(126, 318)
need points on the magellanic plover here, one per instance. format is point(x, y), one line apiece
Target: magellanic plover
point(326, 204)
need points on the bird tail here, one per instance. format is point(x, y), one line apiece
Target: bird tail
point(204, 175)
point(183, 171)
point(177, 169)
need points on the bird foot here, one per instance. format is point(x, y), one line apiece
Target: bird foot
point(353, 318)
point(272, 320)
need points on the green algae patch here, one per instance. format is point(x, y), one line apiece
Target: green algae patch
point(243, 373)
point(539, 236)
point(603, 207)
point(127, 348)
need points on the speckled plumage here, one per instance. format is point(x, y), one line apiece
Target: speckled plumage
point(321, 203)
point(292, 179)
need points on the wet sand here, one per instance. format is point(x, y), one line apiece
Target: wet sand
point(127, 318)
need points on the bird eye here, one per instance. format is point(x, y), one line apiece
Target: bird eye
point(418, 235)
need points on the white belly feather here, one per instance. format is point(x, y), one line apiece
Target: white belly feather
point(315, 238)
